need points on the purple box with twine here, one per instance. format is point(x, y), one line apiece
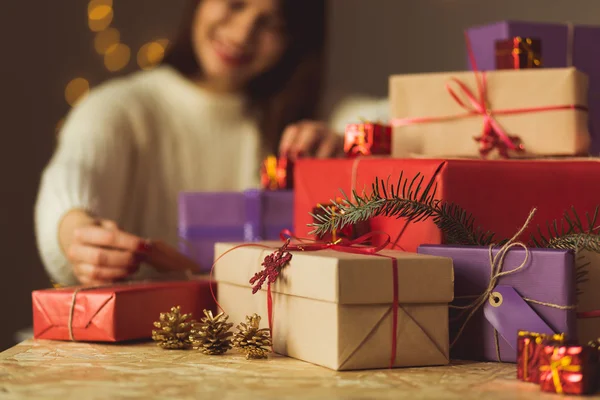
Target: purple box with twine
point(563, 45)
point(250, 216)
point(499, 291)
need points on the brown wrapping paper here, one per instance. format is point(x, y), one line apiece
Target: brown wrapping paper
point(543, 133)
point(334, 309)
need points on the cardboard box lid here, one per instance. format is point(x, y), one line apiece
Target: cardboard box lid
point(343, 278)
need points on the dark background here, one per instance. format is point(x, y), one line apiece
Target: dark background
point(45, 44)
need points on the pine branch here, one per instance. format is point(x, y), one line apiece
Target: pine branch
point(575, 235)
point(407, 199)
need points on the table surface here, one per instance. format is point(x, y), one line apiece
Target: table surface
point(66, 370)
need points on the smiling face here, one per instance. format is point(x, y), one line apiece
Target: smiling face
point(236, 40)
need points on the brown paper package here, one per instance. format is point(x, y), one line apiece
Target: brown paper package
point(334, 309)
point(544, 133)
point(589, 298)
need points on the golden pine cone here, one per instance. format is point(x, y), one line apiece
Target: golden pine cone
point(173, 330)
point(212, 336)
point(251, 340)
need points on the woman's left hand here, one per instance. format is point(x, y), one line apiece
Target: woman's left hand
point(310, 138)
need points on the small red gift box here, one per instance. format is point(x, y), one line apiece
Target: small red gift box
point(368, 139)
point(113, 313)
point(518, 53)
point(347, 232)
point(529, 347)
point(568, 369)
point(276, 173)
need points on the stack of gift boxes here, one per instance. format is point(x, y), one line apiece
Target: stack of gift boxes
point(512, 134)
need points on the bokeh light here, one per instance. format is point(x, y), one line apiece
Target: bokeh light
point(100, 14)
point(117, 57)
point(76, 90)
point(151, 54)
point(105, 40)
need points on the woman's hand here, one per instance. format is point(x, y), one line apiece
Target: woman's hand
point(310, 138)
point(98, 250)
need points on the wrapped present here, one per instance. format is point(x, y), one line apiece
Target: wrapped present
point(532, 290)
point(524, 113)
point(484, 188)
point(253, 215)
point(336, 308)
point(568, 369)
point(367, 139)
point(518, 53)
point(564, 45)
point(113, 313)
point(529, 348)
point(277, 174)
point(347, 232)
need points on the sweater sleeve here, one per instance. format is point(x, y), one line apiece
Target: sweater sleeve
point(89, 170)
point(355, 109)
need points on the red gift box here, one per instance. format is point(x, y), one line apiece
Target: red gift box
point(500, 194)
point(518, 53)
point(367, 139)
point(115, 313)
point(529, 348)
point(568, 369)
point(347, 232)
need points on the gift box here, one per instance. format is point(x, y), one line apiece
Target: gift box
point(563, 45)
point(568, 369)
point(529, 348)
point(524, 113)
point(206, 218)
point(588, 300)
point(538, 297)
point(277, 174)
point(499, 194)
point(518, 53)
point(367, 139)
point(113, 313)
point(348, 232)
point(335, 308)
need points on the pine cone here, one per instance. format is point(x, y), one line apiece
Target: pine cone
point(173, 330)
point(251, 340)
point(213, 335)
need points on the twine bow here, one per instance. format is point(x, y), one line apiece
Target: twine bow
point(559, 364)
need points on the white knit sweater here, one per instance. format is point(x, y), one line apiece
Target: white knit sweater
point(133, 144)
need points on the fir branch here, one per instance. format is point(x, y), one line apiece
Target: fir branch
point(574, 236)
point(407, 199)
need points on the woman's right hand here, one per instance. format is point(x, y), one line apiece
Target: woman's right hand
point(99, 252)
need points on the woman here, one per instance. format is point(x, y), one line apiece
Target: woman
point(242, 81)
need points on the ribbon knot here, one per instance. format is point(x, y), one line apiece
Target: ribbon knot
point(559, 363)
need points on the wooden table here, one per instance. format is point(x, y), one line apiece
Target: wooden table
point(63, 370)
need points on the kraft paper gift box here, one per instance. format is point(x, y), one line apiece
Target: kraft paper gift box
point(588, 300)
point(334, 309)
point(563, 45)
point(447, 129)
point(206, 218)
point(114, 313)
point(498, 193)
point(540, 297)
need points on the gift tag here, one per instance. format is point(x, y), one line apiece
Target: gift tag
point(508, 313)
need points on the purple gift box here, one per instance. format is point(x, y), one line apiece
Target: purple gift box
point(539, 297)
point(562, 46)
point(254, 215)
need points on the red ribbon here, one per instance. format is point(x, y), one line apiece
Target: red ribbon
point(493, 135)
point(589, 314)
point(343, 245)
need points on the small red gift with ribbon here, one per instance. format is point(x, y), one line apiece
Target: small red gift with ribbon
point(518, 53)
point(568, 369)
point(529, 348)
point(347, 232)
point(366, 139)
point(343, 305)
point(276, 173)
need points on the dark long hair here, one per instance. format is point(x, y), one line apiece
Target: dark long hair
point(291, 90)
